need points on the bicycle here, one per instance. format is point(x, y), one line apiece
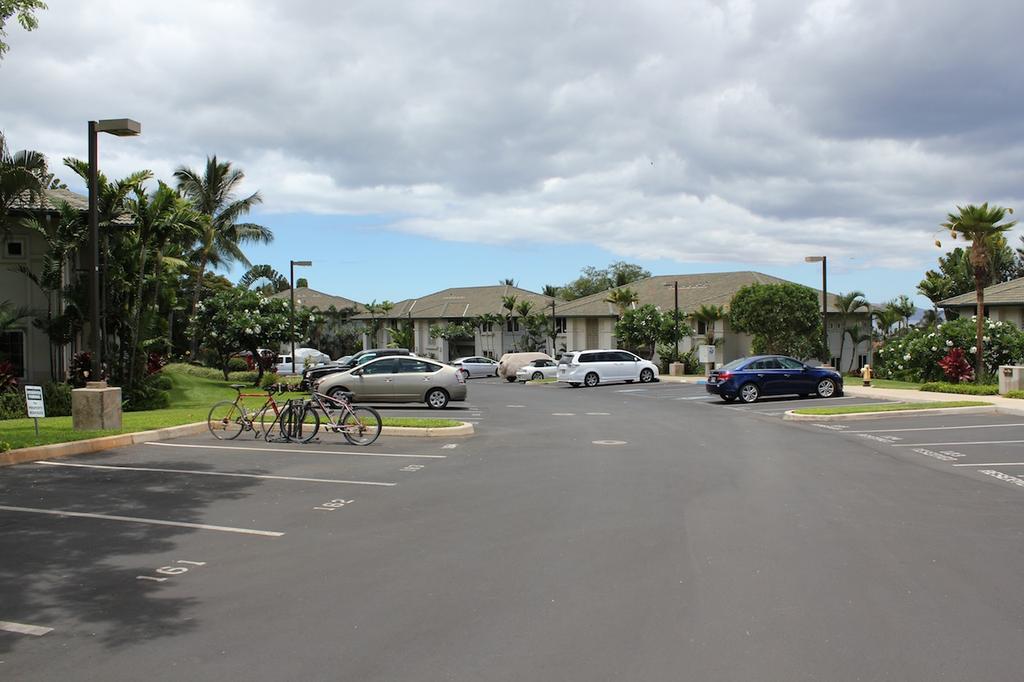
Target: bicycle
point(228, 418)
point(300, 420)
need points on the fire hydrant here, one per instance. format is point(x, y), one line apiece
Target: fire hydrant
point(865, 374)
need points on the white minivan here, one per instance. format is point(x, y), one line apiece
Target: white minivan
point(593, 367)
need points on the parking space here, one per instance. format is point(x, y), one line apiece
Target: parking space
point(985, 445)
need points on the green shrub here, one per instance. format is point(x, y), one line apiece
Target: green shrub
point(915, 355)
point(1019, 395)
point(4, 446)
point(162, 382)
point(238, 365)
point(966, 389)
point(210, 373)
point(12, 405)
point(57, 397)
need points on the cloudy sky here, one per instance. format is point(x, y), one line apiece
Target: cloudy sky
point(409, 146)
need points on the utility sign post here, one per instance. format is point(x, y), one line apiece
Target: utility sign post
point(34, 403)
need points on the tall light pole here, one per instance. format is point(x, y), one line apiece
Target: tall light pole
point(122, 127)
point(554, 328)
point(824, 305)
point(291, 283)
point(675, 285)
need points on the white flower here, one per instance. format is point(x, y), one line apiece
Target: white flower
point(999, 323)
point(931, 335)
point(900, 366)
point(949, 342)
point(985, 339)
point(907, 356)
point(257, 328)
point(974, 349)
point(934, 348)
point(248, 330)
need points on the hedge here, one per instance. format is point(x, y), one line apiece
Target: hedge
point(966, 389)
point(211, 373)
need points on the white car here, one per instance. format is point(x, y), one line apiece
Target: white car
point(538, 369)
point(304, 357)
point(476, 366)
point(593, 367)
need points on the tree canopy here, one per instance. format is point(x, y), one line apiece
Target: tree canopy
point(593, 280)
point(784, 319)
point(24, 10)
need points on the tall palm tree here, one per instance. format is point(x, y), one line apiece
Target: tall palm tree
point(935, 288)
point(551, 290)
point(524, 308)
point(978, 225)
point(857, 337)
point(11, 315)
point(508, 282)
point(709, 315)
point(212, 194)
point(904, 308)
point(847, 304)
point(488, 320)
point(21, 176)
point(885, 318)
point(622, 299)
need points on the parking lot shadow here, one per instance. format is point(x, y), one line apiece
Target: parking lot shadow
point(67, 572)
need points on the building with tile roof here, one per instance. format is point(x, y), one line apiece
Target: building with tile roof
point(1003, 301)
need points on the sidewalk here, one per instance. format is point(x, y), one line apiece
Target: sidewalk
point(1004, 405)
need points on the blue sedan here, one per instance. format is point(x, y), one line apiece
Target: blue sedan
point(750, 378)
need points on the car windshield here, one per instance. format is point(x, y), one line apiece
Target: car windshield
point(735, 364)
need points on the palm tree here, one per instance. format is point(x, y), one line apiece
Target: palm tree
point(11, 315)
point(524, 308)
point(904, 308)
point(551, 291)
point(485, 321)
point(212, 194)
point(709, 315)
point(622, 299)
point(274, 283)
point(847, 304)
point(857, 337)
point(978, 225)
point(885, 318)
point(21, 176)
point(935, 288)
point(508, 282)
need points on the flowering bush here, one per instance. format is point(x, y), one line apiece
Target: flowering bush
point(956, 367)
point(234, 320)
point(915, 356)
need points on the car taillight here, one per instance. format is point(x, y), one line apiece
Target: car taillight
point(724, 376)
point(460, 377)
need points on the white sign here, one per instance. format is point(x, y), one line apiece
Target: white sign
point(706, 353)
point(34, 401)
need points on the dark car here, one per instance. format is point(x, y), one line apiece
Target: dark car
point(750, 378)
point(311, 375)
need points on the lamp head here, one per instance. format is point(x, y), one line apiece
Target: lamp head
point(813, 259)
point(122, 127)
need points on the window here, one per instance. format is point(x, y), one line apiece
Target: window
point(12, 350)
point(560, 325)
point(834, 362)
point(861, 361)
point(487, 328)
point(790, 363)
point(385, 366)
point(702, 327)
point(14, 249)
point(590, 357)
point(623, 356)
point(512, 324)
point(410, 365)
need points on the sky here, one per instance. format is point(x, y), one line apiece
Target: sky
point(406, 147)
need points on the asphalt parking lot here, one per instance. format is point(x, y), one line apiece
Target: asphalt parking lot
point(621, 532)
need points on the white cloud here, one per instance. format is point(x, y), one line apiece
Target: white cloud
point(696, 130)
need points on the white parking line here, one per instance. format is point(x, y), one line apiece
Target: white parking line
point(22, 629)
point(292, 451)
point(133, 519)
point(993, 464)
point(970, 442)
point(938, 428)
point(210, 473)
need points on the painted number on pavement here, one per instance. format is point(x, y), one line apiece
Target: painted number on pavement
point(179, 567)
point(333, 505)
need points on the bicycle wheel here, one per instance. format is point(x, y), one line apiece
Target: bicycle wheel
point(299, 423)
point(226, 420)
point(268, 419)
point(361, 425)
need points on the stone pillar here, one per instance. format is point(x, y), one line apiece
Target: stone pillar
point(96, 407)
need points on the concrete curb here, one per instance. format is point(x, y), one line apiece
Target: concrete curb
point(464, 429)
point(791, 415)
point(84, 447)
point(90, 445)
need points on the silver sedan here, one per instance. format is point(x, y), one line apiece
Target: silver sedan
point(398, 379)
point(538, 369)
point(476, 366)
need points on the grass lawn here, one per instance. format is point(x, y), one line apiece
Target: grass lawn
point(543, 381)
point(191, 398)
point(888, 407)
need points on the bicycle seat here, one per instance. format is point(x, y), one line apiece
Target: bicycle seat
point(238, 387)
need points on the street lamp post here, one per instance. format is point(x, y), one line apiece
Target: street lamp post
point(675, 286)
point(554, 328)
point(122, 127)
point(824, 304)
point(291, 283)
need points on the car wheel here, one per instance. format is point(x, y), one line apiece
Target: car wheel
point(465, 373)
point(537, 376)
point(826, 388)
point(337, 392)
point(591, 380)
point(728, 398)
point(749, 393)
point(646, 375)
point(437, 399)
point(510, 380)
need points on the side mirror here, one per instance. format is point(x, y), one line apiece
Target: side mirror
point(357, 372)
